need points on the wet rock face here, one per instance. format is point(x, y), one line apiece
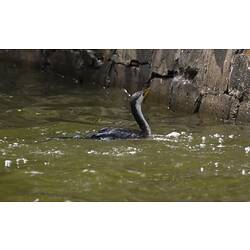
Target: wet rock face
point(184, 96)
point(215, 82)
point(29, 56)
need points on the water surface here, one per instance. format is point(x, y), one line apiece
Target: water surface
point(187, 158)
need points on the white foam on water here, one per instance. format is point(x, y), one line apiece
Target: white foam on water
point(220, 140)
point(117, 151)
point(33, 173)
point(7, 163)
point(247, 149)
point(88, 171)
point(21, 161)
point(52, 152)
point(173, 135)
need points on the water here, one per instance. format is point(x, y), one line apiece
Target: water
point(187, 159)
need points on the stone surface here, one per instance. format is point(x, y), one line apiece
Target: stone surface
point(218, 106)
point(244, 112)
point(184, 96)
point(209, 81)
point(29, 56)
point(240, 74)
point(161, 90)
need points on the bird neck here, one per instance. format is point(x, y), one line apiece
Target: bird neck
point(140, 119)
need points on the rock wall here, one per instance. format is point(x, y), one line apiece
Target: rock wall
point(214, 82)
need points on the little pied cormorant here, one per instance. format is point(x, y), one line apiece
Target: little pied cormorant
point(122, 133)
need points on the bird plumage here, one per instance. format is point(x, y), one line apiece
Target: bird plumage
point(136, 101)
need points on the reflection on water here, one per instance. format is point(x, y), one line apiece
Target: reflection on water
point(186, 159)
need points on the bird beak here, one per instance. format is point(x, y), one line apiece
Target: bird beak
point(145, 92)
point(126, 92)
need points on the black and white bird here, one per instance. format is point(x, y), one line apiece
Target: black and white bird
point(136, 101)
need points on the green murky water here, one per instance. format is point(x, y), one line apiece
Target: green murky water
point(187, 159)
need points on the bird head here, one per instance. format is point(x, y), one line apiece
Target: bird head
point(139, 97)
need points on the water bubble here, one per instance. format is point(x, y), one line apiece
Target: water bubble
point(179, 164)
point(132, 152)
point(55, 152)
point(88, 171)
point(52, 152)
point(7, 163)
point(190, 138)
point(220, 140)
point(92, 152)
point(14, 145)
point(247, 149)
point(21, 160)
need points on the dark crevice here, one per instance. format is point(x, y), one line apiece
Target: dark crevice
point(189, 73)
point(111, 66)
point(197, 103)
point(239, 51)
point(132, 63)
point(171, 95)
point(226, 92)
point(169, 75)
point(136, 63)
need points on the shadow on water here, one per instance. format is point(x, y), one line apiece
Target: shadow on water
point(187, 159)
